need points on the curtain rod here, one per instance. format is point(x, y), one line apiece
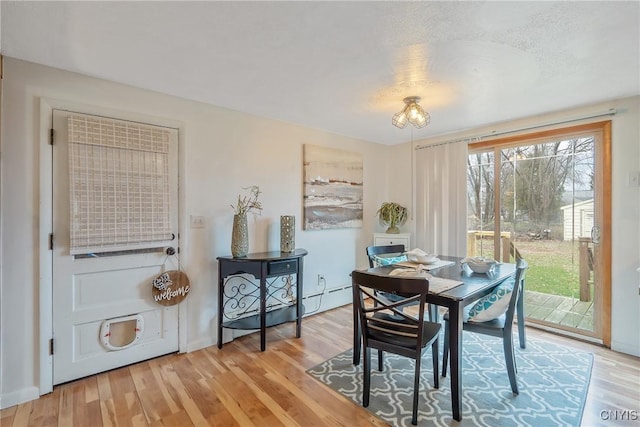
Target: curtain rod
point(609, 112)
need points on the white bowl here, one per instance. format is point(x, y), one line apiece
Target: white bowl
point(418, 255)
point(423, 259)
point(479, 265)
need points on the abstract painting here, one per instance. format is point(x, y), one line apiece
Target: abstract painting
point(332, 188)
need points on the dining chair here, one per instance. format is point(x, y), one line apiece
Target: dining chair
point(374, 252)
point(500, 327)
point(385, 327)
point(393, 253)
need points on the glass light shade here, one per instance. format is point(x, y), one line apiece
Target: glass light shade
point(411, 113)
point(400, 120)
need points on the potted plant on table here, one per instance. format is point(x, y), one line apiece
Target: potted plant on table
point(392, 215)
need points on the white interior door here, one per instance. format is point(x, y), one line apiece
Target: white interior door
point(104, 315)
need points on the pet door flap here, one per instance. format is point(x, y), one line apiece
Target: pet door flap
point(121, 332)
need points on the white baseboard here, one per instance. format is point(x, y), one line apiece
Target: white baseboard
point(20, 396)
point(200, 344)
point(625, 348)
point(329, 299)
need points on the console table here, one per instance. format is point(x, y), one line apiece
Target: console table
point(244, 304)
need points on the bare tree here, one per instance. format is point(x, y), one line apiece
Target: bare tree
point(533, 179)
point(542, 174)
point(480, 187)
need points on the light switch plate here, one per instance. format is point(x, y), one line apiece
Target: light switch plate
point(197, 221)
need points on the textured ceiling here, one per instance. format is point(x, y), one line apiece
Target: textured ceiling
point(344, 67)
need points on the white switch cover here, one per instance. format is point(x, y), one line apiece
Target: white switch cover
point(634, 179)
point(197, 221)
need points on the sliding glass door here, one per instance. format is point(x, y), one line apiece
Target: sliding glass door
point(540, 197)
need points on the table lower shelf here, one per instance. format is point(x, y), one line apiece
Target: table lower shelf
point(272, 318)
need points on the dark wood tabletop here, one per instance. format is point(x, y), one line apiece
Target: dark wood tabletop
point(474, 285)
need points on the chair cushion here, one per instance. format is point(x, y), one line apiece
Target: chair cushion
point(381, 261)
point(493, 305)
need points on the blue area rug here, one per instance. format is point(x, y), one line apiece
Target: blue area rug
point(553, 381)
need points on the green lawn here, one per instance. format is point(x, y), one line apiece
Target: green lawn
point(553, 265)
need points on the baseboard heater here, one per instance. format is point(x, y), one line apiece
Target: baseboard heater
point(309, 296)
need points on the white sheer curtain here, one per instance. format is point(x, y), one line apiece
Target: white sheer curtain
point(441, 198)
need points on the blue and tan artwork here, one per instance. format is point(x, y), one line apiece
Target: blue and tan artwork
point(332, 188)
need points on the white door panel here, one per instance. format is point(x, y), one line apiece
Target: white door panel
point(89, 355)
point(103, 294)
point(87, 291)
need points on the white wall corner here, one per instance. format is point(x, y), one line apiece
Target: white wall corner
point(624, 347)
point(200, 344)
point(19, 396)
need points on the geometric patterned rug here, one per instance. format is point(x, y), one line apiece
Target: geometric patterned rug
point(553, 381)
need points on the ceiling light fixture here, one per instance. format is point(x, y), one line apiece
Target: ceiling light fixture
point(411, 113)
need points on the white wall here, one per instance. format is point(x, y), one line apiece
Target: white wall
point(625, 283)
point(223, 151)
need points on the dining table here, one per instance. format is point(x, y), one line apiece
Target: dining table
point(462, 287)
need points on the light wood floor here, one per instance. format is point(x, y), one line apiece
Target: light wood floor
point(241, 386)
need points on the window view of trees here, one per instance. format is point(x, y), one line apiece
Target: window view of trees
point(480, 172)
point(535, 182)
point(545, 193)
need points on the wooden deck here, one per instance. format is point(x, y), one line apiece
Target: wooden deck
point(562, 310)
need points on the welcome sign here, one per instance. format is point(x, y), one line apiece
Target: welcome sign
point(170, 288)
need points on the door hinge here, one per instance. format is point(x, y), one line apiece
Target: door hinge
point(50, 241)
point(52, 136)
point(50, 346)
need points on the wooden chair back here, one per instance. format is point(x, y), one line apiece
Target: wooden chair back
point(385, 326)
point(383, 250)
point(518, 291)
